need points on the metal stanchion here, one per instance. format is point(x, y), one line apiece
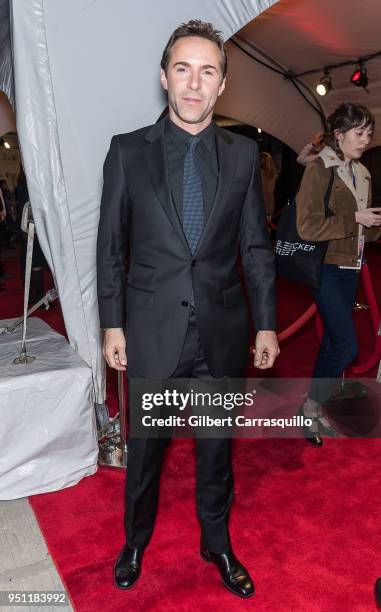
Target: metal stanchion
point(50, 296)
point(350, 389)
point(113, 446)
point(122, 415)
point(23, 357)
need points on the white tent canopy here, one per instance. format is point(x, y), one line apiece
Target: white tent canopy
point(301, 35)
point(87, 69)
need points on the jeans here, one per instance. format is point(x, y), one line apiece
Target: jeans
point(338, 349)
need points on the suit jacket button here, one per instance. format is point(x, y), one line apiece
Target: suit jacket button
point(184, 303)
point(193, 263)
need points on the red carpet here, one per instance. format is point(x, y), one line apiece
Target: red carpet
point(305, 521)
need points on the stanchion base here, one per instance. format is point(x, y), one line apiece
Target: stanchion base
point(23, 359)
point(110, 429)
point(111, 453)
point(351, 389)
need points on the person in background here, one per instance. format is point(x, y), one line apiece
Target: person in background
point(354, 221)
point(9, 222)
point(3, 216)
point(312, 149)
point(269, 175)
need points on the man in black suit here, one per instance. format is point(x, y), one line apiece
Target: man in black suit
point(182, 198)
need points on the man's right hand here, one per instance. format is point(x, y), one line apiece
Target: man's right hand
point(114, 348)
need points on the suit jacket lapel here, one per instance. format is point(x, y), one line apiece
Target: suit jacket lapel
point(227, 160)
point(156, 159)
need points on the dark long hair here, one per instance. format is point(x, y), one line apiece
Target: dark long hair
point(344, 118)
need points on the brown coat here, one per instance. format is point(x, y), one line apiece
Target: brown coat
point(341, 230)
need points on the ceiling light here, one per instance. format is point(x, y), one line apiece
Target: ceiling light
point(325, 84)
point(259, 130)
point(7, 145)
point(360, 76)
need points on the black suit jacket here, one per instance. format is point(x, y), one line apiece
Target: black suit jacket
point(139, 219)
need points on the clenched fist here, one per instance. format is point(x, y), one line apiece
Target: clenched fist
point(266, 349)
point(114, 348)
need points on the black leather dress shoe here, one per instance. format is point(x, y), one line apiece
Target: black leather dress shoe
point(128, 567)
point(311, 432)
point(234, 576)
point(327, 429)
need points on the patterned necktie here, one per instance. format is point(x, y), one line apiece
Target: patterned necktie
point(193, 207)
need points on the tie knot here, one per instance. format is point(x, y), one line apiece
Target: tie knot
point(192, 143)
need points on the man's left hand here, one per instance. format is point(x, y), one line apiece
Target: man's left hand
point(266, 349)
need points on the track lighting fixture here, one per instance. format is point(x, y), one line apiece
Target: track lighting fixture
point(325, 83)
point(360, 76)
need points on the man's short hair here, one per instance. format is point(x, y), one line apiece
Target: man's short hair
point(196, 27)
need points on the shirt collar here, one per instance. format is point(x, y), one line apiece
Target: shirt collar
point(181, 137)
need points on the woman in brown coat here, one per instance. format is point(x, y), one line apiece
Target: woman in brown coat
point(353, 223)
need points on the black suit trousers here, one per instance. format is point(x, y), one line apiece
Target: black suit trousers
point(214, 476)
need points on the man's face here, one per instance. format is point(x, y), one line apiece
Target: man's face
point(193, 81)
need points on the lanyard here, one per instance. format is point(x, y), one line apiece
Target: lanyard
point(353, 175)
